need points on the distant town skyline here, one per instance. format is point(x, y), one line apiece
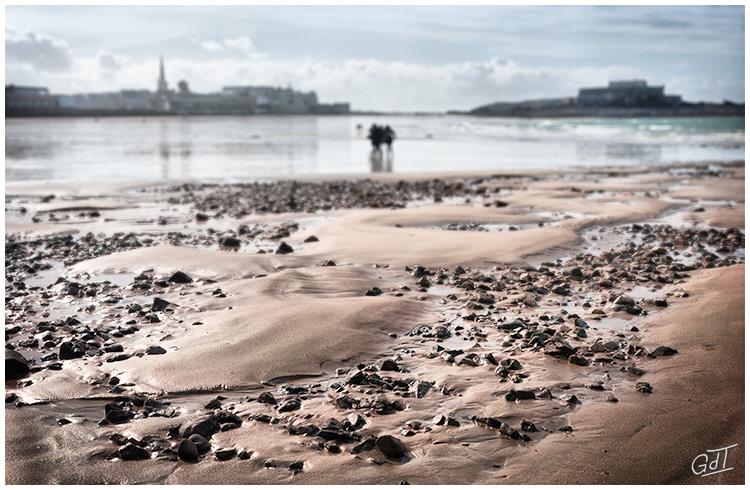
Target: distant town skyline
point(381, 58)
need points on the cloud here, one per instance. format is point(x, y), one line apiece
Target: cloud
point(241, 45)
point(211, 46)
point(109, 62)
point(40, 51)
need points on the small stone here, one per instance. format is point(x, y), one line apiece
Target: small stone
point(391, 447)
point(230, 242)
point(290, 405)
point(267, 397)
point(624, 300)
point(311, 239)
point(188, 451)
point(201, 443)
point(566, 428)
point(155, 350)
point(160, 304)
point(578, 360)
point(213, 405)
point(663, 350)
point(16, 366)
point(71, 350)
point(388, 365)
point(421, 388)
point(283, 249)
point(375, 291)
point(644, 387)
point(514, 395)
point(180, 277)
point(131, 452)
point(225, 454)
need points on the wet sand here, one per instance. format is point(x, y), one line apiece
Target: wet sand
point(418, 299)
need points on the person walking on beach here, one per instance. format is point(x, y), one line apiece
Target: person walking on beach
point(375, 136)
point(388, 136)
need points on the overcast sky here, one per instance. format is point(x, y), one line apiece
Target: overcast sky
point(386, 58)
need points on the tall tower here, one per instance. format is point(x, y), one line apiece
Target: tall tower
point(162, 85)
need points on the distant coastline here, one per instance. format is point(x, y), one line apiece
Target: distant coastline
point(620, 99)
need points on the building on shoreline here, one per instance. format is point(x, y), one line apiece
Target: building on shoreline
point(235, 99)
point(627, 93)
point(624, 98)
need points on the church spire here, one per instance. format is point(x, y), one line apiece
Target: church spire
point(162, 85)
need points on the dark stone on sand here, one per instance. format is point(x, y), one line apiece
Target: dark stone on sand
point(565, 428)
point(514, 395)
point(201, 443)
point(115, 414)
point(201, 217)
point(160, 304)
point(213, 404)
point(663, 350)
point(188, 451)
point(16, 366)
point(155, 350)
point(366, 445)
point(424, 282)
point(391, 447)
point(62, 422)
point(511, 364)
point(644, 387)
point(72, 350)
point(244, 454)
point(113, 348)
point(421, 388)
point(329, 263)
point(230, 242)
point(284, 248)
point(572, 400)
point(131, 452)
point(388, 365)
point(180, 277)
point(558, 348)
point(311, 239)
point(225, 454)
point(296, 466)
point(267, 397)
point(578, 360)
point(290, 405)
point(528, 426)
point(204, 426)
point(624, 300)
point(373, 292)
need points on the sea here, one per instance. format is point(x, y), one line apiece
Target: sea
point(235, 148)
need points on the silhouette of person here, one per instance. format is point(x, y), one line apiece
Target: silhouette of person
point(389, 135)
point(375, 136)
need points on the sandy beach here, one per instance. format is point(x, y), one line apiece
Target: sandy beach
point(578, 326)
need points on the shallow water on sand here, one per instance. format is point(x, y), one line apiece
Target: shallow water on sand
point(242, 147)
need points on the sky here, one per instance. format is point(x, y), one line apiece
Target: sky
point(415, 58)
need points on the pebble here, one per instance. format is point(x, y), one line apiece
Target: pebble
point(391, 447)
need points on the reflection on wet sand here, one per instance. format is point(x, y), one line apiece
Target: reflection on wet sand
point(381, 162)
